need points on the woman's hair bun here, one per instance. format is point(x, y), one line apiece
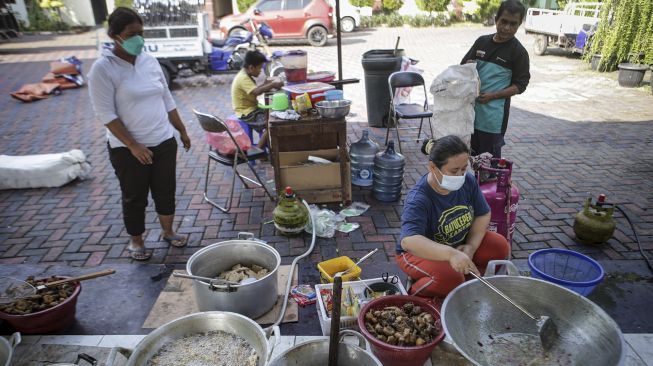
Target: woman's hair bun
point(427, 145)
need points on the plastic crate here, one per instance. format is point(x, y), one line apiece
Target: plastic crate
point(346, 322)
point(332, 266)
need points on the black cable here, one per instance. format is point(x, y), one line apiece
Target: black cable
point(639, 244)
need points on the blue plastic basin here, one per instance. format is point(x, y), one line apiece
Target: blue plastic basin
point(566, 268)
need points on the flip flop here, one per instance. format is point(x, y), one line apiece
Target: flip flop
point(139, 254)
point(176, 240)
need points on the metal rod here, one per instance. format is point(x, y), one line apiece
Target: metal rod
point(207, 279)
point(488, 284)
point(89, 276)
point(357, 263)
point(335, 321)
point(339, 39)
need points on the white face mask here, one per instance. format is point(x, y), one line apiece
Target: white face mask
point(450, 182)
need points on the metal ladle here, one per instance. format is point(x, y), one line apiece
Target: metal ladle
point(341, 273)
point(546, 328)
point(214, 280)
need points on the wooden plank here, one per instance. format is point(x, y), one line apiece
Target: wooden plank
point(178, 299)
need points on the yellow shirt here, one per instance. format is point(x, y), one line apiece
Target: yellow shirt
point(242, 101)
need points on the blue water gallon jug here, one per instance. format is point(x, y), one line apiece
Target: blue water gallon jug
point(388, 174)
point(362, 154)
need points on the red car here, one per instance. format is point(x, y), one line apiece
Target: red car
point(310, 19)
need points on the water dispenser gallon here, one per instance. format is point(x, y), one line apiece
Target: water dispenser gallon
point(362, 153)
point(388, 174)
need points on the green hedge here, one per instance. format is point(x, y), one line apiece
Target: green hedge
point(42, 19)
point(396, 20)
point(124, 3)
point(432, 5)
point(625, 28)
point(361, 3)
point(243, 5)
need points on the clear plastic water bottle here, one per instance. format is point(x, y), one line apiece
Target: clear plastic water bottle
point(388, 174)
point(362, 155)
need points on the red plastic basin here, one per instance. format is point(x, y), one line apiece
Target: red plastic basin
point(388, 354)
point(55, 319)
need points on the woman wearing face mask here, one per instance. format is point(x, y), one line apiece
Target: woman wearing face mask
point(444, 223)
point(131, 98)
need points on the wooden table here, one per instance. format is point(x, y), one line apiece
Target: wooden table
point(309, 134)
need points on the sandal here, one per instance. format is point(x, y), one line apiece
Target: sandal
point(177, 241)
point(139, 254)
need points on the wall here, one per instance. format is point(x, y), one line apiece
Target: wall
point(410, 8)
point(19, 10)
point(78, 12)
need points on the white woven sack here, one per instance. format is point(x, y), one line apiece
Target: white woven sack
point(43, 170)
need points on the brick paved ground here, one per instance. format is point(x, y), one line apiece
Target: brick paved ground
point(573, 132)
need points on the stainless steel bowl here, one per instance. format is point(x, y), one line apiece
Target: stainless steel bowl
point(333, 108)
point(204, 322)
point(317, 353)
point(7, 348)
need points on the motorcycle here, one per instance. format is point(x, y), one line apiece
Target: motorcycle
point(229, 54)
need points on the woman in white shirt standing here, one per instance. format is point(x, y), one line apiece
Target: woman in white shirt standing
point(131, 98)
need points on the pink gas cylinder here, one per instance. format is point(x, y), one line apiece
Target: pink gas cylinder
point(502, 196)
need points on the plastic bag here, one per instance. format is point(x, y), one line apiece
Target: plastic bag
point(454, 94)
point(223, 143)
point(326, 222)
point(456, 82)
point(402, 95)
point(355, 209)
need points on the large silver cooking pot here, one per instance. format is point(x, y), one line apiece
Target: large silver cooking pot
point(317, 353)
point(479, 323)
point(7, 348)
point(200, 323)
point(253, 299)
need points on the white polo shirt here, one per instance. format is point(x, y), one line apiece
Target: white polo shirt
point(136, 94)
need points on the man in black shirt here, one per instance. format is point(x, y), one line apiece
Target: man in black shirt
point(503, 66)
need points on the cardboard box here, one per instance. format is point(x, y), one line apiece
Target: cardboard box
point(316, 183)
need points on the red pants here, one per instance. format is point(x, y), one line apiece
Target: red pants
point(437, 278)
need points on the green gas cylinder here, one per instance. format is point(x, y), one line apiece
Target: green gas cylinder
point(290, 216)
point(594, 224)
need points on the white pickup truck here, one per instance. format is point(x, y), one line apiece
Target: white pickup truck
point(187, 46)
point(562, 27)
point(176, 47)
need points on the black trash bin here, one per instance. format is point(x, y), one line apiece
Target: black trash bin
point(378, 65)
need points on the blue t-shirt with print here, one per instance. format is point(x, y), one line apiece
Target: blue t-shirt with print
point(446, 219)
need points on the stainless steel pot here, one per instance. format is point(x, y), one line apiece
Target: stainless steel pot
point(7, 348)
point(252, 299)
point(474, 318)
point(317, 353)
point(200, 323)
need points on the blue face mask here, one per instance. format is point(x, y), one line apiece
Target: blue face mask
point(133, 45)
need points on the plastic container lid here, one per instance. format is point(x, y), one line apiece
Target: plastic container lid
point(314, 87)
point(321, 75)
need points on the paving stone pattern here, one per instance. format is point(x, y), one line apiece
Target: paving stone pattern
point(603, 146)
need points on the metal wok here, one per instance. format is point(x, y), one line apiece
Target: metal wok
point(488, 331)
